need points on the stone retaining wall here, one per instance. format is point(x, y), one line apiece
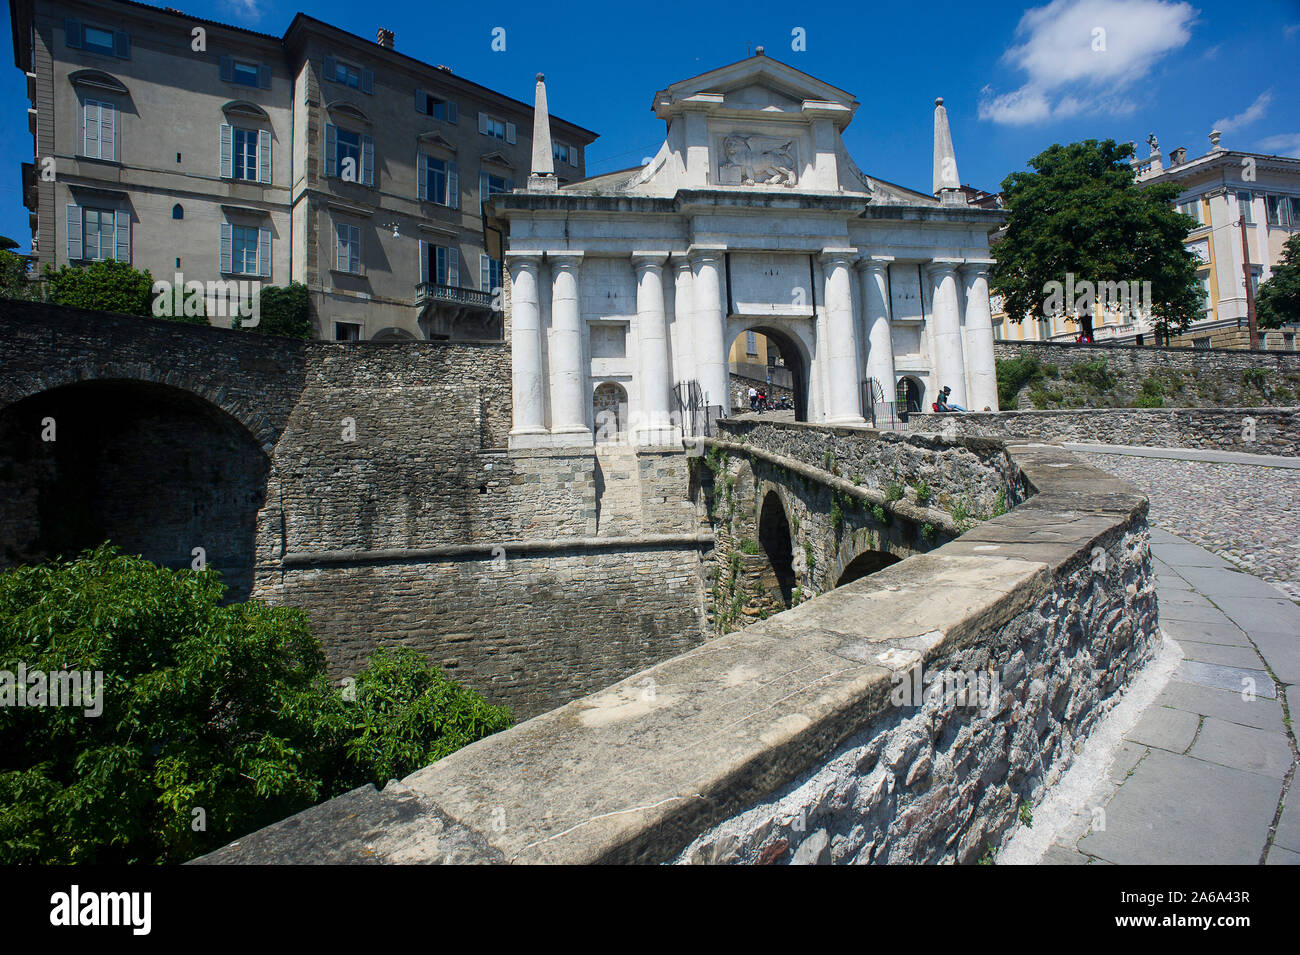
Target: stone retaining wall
point(712, 755)
point(1274, 431)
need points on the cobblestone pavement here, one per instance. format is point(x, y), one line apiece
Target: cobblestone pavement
point(1244, 513)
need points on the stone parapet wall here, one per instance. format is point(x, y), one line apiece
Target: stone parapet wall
point(712, 755)
point(1273, 431)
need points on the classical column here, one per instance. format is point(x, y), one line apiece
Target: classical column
point(568, 409)
point(949, 365)
point(983, 384)
point(844, 386)
point(874, 273)
point(654, 425)
point(525, 347)
point(710, 345)
point(683, 331)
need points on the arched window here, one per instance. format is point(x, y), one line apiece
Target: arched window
point(178, 211)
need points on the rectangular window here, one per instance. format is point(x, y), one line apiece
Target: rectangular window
point(97, 40)
point(245, 73)
point(1279, 211)
point(98, 234)
point(1246, 208)
point(245, 154)
point(1295, 212)
point(348, 248)
point(435, 106)
point(99, 130)
point(244, 250)
point(435, 180)
point(490, 185)
point(1200, 343)
point(1192, 208)
point(347, 332)
point(347, 74)
point(439, 265)
point(489, 274)
point(563, 152)
point(349, 149)
point(751, 343)
point(495, 128)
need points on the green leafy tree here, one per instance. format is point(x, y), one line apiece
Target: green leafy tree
point(109, 286)
point(284, 310)
point(13, 277)
point(1278, 300)
point(208, 711)
point(1079, 211)
point(7, 243)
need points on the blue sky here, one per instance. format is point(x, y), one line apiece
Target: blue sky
point(1015, 78)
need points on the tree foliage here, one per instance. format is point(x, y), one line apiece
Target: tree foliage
point(1079, 211)
point(1278, 300)
point(14, 281)
point(108, 286)
point(219, 708)
point(284, 310)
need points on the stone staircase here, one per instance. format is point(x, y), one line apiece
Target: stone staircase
point(618, 491)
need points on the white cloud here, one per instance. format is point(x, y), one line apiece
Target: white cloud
point(1285, 144)
point(248, 9)
point(1254, 111)
point(1290, 30)
point(1080, 55)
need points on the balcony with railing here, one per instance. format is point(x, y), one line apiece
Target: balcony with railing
point(430, 293)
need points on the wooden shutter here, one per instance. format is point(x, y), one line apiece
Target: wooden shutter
point(90, 128)
point(367, 81)
point(227, 248)
point(482, 122)
point(367, 159)
point(484, 276)
point(264, 155)
point(227, 151)
point(354, 244)
point(108, 132)
point(122, 235)
point(424, 262)
point(122, 45)
point(75, 252)
point(510, 133)
point(264, 253)
point(72, 35)
point(264, 76)
point(453, 185)
point(510, 185)
point(340, 247)
point(482, 187)
point(453, 113)
point(422, 177)
point(228, 69)
point(331, 69)
point(331, 149)
point(421, 101)
point(453, 267)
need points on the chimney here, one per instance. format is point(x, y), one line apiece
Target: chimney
point(1178, 156)
point(385, 38)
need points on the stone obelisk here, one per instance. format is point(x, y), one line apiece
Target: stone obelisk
point(541, 177)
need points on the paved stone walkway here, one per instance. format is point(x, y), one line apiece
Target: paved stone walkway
point(1246, 513)
point(1206, 775)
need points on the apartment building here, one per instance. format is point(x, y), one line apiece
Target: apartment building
point(183, 145)
point(1219, 190)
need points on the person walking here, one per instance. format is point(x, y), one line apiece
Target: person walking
point(753, 399)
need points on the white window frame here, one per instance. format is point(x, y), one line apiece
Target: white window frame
point(1246, 206)
point(347, 241)
point(99, 110)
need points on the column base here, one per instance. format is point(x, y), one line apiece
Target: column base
point(849, 421)
point(662, 436)
point(572, 438)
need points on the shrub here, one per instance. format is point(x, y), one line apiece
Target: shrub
point(1094, 375)
point(109, 286)
point(923, 492)
point(749, 546)
point(223, 709)
point(1013, 374)
point(285, 310)
point(893, 491)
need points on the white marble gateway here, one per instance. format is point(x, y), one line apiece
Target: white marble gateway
point(628, 289)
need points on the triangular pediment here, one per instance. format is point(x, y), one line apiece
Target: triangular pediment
point(498, 159)
point(759, 72)
point(760, 96)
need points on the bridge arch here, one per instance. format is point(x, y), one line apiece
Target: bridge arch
point(156, 469)
point(777, 542)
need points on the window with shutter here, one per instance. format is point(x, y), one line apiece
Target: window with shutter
point(368, 160)
point(99, 130)
point(264, 155)
point(367, 82)
point(227, 248)
point(122, 249)
point(510, 132)
point(453, 267)
point(424, 262)
point(331, 150)
point(264, 253)
point(72, 33)
point(453, 185)
point(74, 232)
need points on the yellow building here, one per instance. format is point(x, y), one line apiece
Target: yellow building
point(1218, 189)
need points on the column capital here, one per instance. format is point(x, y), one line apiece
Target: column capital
point(873, 262)
point(706, 253)
point(645, 260)
point(681, 261)
point(565, 259)
point(844, 255)
point(942, 266)
point(976, 266)
point(523, 258)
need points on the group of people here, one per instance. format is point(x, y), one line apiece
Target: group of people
point(760, 402)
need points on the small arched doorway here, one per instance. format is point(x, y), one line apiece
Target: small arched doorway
point(767, 359)
point(774, 538)
point(910, 394)
point(609, 411)
point(865, 564)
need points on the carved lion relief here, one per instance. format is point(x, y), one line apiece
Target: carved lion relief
point(751, 160)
